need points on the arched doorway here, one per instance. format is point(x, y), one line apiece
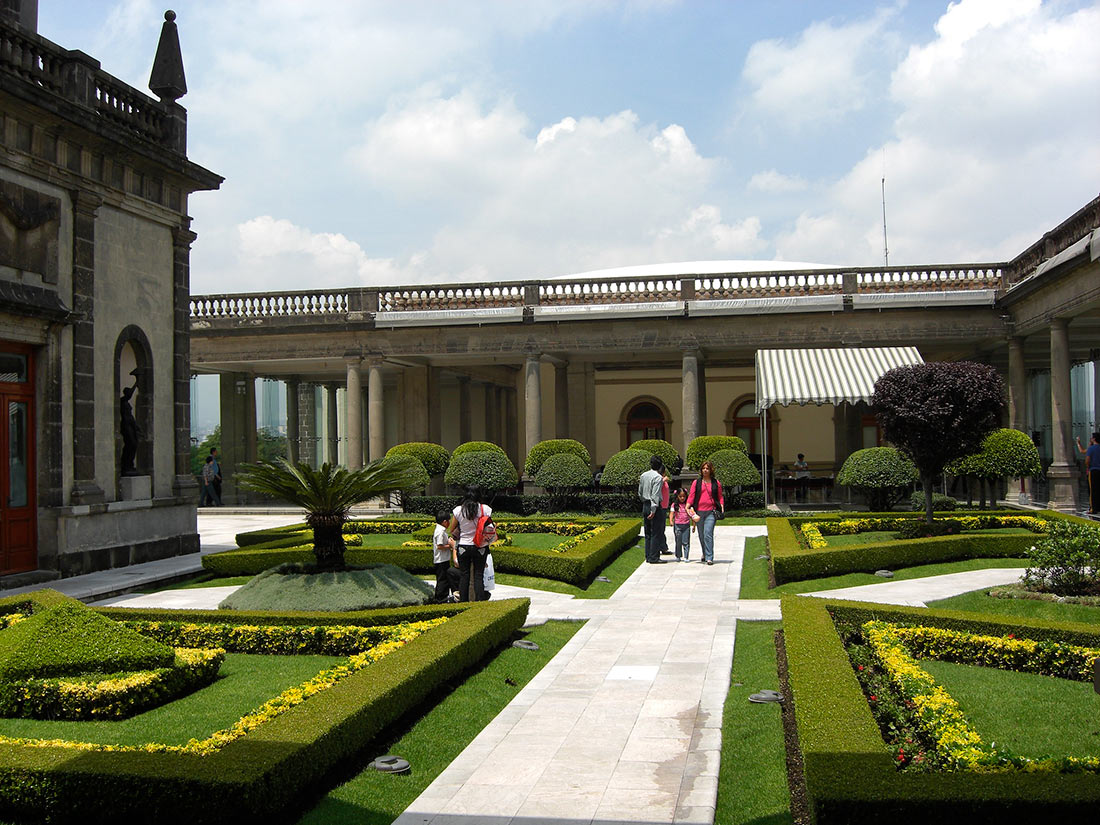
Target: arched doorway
point(642, 418)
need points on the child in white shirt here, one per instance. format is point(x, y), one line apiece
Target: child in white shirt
point(443, 555)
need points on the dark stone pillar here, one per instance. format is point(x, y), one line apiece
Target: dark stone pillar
point(1063, 471)
point(581, 378)
point(85, 488)
point(464, 409)
point(184, 484)
point(307, 424)
point(292, 435)
point(561, 400)
point(332, 426)
point(435, 412)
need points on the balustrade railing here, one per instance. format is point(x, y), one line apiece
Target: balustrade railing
point(128, 107)
point(626, 291)
point(30, 58)
point(929, 279)
point(450, 297)
point(768, 284)
point(271, 304)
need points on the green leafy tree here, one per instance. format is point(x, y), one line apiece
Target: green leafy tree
point(660, 448)
point(734, 468)
point(1065, 560)
point(704, 446)
point(433, 457)
point(562, 474)
point(488, 469)
point(625, 468)
point(327, 495)
point(1005, 453)
point(937, 412)
point(270, 445)
point(554, 446)
point(881, 474)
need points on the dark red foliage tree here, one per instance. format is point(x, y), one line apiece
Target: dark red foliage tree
point(937, 412)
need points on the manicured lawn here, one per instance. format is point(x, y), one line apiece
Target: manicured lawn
point(432, 741)
point(879, 536)
point(980, 602)
point(1030, 714)
point(752, 782)
point(754, 574)
point(244, 683)
point(618, 570)
point(740, 521)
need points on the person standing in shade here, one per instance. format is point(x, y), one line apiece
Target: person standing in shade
point(471, 558)
point(649, 491)
point(707, 503)
point(217, 479)
point(802, 476)
point(443, 555)
point(209, 491)
point(1092, 467)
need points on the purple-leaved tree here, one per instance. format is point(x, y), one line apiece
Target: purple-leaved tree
point(938, 412)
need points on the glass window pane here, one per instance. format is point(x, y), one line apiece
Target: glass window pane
point(17, 454)
point(13, 367)
point(870, 437)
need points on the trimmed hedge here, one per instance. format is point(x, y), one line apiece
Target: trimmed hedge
point(703, 447)
point(850, 776)
point(563, 471)
point(489, 469)
point(792, 562)
point(660, 448)
point(554, 446)
point(434, 457)
point(625, 468)
point(576, 565)
point(528, 505)
point(258, 776)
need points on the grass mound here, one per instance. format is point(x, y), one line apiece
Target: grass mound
point(71, 639)
point(295, 587)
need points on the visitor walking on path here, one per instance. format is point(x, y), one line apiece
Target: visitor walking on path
point(707, 504)
point(649, 491)
point(471, 557)
point(1092, 467)
point(210, 491)
point(681, 523)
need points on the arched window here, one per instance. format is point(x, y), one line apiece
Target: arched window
point(644, 417)
point(743, 421)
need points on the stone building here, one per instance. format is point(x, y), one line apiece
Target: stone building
point(94, 288)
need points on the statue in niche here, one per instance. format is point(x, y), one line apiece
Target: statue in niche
point(129, 429)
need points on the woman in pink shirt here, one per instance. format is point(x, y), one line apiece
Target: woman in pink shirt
point(706, 503)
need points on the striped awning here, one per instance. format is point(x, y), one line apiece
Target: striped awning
point(824, 376)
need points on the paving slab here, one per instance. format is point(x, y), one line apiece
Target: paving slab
point(918, 592)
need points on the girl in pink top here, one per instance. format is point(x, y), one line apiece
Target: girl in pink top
point(706, 502)
point(680, 519)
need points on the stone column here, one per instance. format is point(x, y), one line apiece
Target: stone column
point(703, 428)
point(237, 413)
point(415, 400)
point(511, 425)
point(561, 400)
point(292, 434)
point(86, 489)
point(581, 381)
point(353, 412)
point(1017, 384)
point(1063, 471)
point(376, 411)
point(435, 409)
point(332, 426)
point(307, 420)
point(532, 400)
point(464, 409)
point(492, 414)
point(184, 484)
point(251, 450)
point(690, 389)
point(1095, 391)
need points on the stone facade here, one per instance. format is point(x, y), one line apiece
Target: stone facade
point(94, 242)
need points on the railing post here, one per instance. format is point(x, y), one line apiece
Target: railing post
point(850, 283)
point(78, 77)
point(531, 295)
point(687, 289)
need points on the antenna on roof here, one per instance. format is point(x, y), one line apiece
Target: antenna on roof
point(885, 245)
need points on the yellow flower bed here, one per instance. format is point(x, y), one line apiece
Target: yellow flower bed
point(289, 698)
point(938, 713)
point(815, 531)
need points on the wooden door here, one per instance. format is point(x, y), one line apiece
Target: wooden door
point(18, 516)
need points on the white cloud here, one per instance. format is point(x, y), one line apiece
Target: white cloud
point(704, 230)
point(773, 182)
point(824, 75)
point(996, 134)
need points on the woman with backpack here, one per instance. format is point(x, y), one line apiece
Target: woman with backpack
point(466, 519)
point(706, 504)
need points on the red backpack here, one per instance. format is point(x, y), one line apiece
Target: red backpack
point(485, 533)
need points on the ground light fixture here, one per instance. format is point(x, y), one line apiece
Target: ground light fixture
point(390, 764)
point(766, 696)
point(524, 644)
point(602, 579)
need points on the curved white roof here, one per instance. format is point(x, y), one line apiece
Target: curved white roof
point(676, 270)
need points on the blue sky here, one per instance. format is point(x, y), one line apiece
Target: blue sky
point(385, 142)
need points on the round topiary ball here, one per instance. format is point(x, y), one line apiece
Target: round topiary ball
point(554, 446)
point(563, 471)
point(662, 449)
point(488, 469)
point(882, 474)
point(434, 457)
point(703, 447)
point(625, 468)
point(477, 447)
point(411, 466)
point(1005, 453)
point(733, 468)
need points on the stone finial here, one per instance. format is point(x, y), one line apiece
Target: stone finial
point(166, 80)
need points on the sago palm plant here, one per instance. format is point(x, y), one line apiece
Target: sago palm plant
point(327, 495)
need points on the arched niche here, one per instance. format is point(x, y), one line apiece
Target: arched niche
point(644, 416)
point(133, 362)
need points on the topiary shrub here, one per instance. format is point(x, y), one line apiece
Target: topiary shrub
point(1065, 560)
point(488, 469)
point(409, 466)
point(940, 502)
point(703, 447)
point(554, 446)
point(920, 529)
point(733, 468)
point(882, 474)
point(434, 457)
point(662, 449)
point(477, 447)
point(561, 474)
point(625, 468)
point(1005, 453)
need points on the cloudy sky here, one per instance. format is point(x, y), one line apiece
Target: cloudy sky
point(415, 141)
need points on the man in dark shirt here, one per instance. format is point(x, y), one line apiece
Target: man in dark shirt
point(1092, 467)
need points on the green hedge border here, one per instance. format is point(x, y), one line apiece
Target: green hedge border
point(791, 561)
point(850, 777)
point(257, 776)
point(575, 566)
